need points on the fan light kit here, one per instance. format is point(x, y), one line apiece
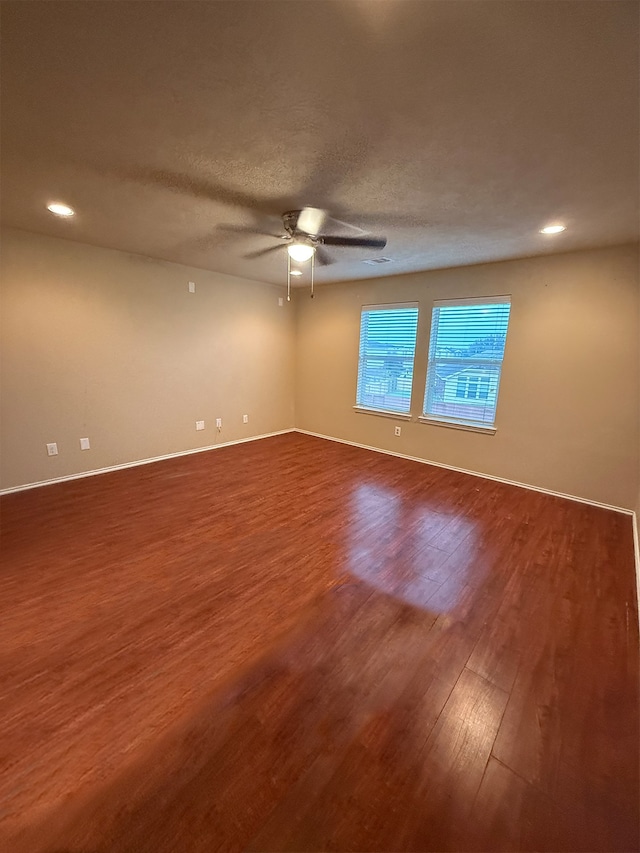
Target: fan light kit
point(553, 229)
point(295, 272)
point(60, 209)
point(300, 252)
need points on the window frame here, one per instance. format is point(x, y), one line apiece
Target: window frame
point(371, 410)
point(460, 422)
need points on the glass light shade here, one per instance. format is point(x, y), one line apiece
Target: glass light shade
point(300, 251)
point(553, 229)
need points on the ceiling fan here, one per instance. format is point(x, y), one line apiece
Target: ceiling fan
point(303, 237)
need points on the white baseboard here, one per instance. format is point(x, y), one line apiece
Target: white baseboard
point(473, 473)
point(624, 510)
point(179, 453)
point(636, 549)
point(137, 462)
point(134, 464)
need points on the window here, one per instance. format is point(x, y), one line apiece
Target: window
point(387, 349)
point(465, 360)
point(470, 387)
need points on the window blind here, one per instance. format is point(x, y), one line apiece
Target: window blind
point(387, 350)
point(466, 350)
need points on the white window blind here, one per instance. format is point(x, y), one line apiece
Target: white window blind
point(387, 350)
point(466, 349)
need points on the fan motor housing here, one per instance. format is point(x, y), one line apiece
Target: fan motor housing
point(290, 222)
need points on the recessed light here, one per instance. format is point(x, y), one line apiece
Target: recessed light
point(296, 272)
point(553, 229)
point(59, 209)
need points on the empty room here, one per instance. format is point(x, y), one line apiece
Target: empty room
point(320, 426)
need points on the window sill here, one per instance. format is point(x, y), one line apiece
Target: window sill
point(397, 415)
point(487, 430)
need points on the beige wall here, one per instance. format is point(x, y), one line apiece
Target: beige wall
point(112, 346)
point(100, 344)
point(568, 413)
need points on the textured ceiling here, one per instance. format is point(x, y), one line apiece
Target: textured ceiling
point(457, 129)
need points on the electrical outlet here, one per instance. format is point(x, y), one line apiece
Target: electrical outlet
point(192, 287)
point(84, 444)
point(398, 430)
point(52, 449)
point(245, 419)
point(199, 424)
point(219, 423)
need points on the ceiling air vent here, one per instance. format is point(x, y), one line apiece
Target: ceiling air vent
point(378, 261)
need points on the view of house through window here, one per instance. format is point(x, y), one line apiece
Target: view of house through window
point(472, 387)
point(466, 349)
point(387, 350)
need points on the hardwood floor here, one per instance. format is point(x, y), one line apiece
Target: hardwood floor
point(298, 645)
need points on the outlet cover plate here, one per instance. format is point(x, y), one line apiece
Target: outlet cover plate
point(199, 424)
point(84, 444)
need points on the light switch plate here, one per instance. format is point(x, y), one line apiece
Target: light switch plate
point(199, 424)
point(52, 449)
point(84, 444)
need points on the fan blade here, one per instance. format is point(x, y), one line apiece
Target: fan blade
point(261, 252)
point(364, 242)
point(348, 224)
point(311, 220)
point(368, 222)
point(323, 258)
point(245, 229)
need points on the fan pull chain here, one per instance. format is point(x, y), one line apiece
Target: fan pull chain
point(313, 266)
point(288, 277)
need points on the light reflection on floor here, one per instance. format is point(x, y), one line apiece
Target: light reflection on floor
point(403, 547)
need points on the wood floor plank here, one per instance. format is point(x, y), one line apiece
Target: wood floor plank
point(498, 809)
point(294, 644)
point(455, 759)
